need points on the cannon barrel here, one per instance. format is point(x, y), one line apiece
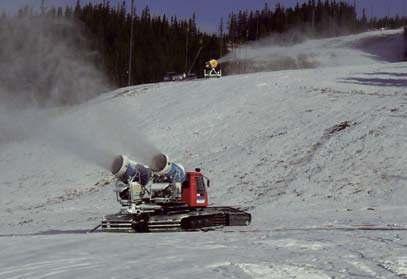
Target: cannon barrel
point(127, 170)
point(161, 165)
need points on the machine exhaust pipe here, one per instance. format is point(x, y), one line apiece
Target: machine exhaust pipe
point(125, 169)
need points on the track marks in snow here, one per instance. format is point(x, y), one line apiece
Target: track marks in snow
point(328, 134)
point(71, 194)
point(332, 92)
point(295, 244)
point(47, 269)
point(283, 271)
point(244, 255)
point(396, 265)
point(267, 271)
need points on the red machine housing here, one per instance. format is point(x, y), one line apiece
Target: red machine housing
point(194, 191)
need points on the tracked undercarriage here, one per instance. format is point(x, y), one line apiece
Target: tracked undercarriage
point(176, 219)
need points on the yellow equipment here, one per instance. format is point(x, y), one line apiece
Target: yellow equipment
point(213, 63)
point(212, 69)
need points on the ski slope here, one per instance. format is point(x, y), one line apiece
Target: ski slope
point(280, 53)
point(303, 150)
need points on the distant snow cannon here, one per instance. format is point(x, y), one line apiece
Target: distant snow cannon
point(213, 63)
point(127, 170)
point(161, 166)
point(212, 69)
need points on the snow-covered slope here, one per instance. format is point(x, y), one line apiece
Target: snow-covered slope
point(298, 148)
point(279, 54)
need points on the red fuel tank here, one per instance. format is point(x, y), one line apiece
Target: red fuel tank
point(194, 191)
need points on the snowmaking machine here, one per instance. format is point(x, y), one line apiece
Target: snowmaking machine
point(212, 69)
point(164, 197)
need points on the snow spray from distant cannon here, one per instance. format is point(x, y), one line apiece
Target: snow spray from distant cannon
point(275, 52)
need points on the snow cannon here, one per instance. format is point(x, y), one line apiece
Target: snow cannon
point(127, 170)
point(212, 69)
point(213, 63)
point(173, 200)
point(162, 166)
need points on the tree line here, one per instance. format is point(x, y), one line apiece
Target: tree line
point(162, 44)
point(315, 18)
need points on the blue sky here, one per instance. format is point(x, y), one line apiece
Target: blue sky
point(209, 12)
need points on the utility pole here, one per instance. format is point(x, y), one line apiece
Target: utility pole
point(196, 56)
point(131, 42)
point(313, 18)
point(221, 37)
point(43, 8)
point(187, 49)
point(41, 41)
point(257, 28)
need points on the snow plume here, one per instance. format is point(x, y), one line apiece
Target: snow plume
point(98, 133)
point(95, 132)
point(269, 54)
point(45, 62)
point(294, 51)
point(45, 69)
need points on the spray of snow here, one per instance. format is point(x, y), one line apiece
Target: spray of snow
point(96, 137)
point(45, 63)
point(46, 68)
point(295, 51)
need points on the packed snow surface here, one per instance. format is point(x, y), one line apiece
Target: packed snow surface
point(305, 151)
